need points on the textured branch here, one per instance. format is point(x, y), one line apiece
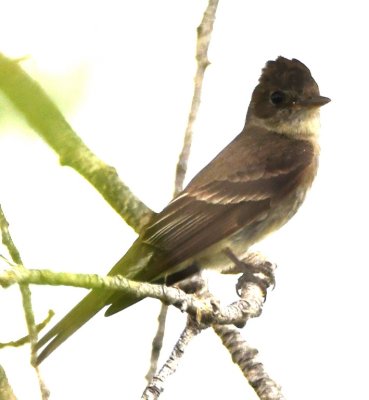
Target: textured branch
point(157, 343)
point(246, 358)
point(206, 311)
point(46, 119)
point(26, 300)
point(258, 275)
point(156, 386)
point(203, 40)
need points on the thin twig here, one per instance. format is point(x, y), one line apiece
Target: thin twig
point(156, 386)
point(203, 40)
point(157, 343)
point(204, 31)
point(26, 300)
point(26, 339)
point(44, 116)
point(246, 358)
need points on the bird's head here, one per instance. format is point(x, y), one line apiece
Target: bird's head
point(287, 99)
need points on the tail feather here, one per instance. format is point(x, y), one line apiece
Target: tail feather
point(96, 300)
point(77, 317)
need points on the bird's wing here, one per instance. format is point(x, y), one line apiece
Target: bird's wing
point(236, 189)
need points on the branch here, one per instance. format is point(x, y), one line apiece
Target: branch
point(203, 40)
point(257, 272)
point(246, 358)
point(252, 287)
point(157, 343)
point(24, 288)
point(204, 31)
point(206, 311)
point(156, 386)
point(46, 119)
point(26, 300)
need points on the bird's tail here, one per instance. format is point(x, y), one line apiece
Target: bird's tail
point(77, 317)
point(93, 303)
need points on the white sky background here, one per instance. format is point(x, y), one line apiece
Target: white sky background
point(122, 72)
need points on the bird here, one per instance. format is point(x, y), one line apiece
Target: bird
point(250, 189)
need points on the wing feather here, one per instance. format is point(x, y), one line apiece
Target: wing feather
point(229, 194)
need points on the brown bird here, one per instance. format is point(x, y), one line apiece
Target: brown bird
point(251, 188)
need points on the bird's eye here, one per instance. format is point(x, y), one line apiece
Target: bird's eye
point(277, 97)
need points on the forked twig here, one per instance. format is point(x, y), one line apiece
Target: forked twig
point(26, 300)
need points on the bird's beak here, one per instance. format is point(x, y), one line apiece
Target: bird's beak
point(314, 101)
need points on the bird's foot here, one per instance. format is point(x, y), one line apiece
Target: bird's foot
point(255, 268)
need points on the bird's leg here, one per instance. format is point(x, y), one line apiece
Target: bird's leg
point(255, 268)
